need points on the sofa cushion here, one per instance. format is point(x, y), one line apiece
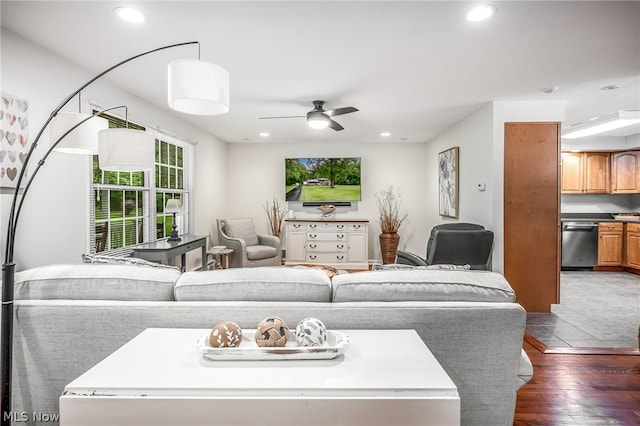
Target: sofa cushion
point(258, 252)
point(255, 284)
point(241, 228)
point(422, 285)
point(96, 282)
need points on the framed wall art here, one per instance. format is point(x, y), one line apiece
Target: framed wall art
point(448, 182)
point(14, 138)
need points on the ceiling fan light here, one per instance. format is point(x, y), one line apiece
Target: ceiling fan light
point(126, 150)
point(198, 88)
point(317, 120)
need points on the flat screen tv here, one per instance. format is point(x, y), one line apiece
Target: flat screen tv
point(322, 179)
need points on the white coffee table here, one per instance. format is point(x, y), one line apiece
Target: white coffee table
point(386, 377)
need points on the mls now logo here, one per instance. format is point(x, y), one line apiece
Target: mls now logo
point(36, 416)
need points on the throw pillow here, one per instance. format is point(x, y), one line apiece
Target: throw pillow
point(400, 266)
point(243, 229)
point(117, 260)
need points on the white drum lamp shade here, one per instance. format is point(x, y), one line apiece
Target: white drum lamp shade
point(81, 140)
point(173, 206)
point(197, 87)
point(126, 150)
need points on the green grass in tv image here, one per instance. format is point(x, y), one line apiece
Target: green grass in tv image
point(337, 193)
point(322, 179)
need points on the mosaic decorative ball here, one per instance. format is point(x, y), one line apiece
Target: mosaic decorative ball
point(272, 331)
point(311, 332)
point(225, 335)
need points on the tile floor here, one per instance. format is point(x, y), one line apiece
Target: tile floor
point(596, 309)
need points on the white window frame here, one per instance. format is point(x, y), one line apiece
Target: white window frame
point(184, 219)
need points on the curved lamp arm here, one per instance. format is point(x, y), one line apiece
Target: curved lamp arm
point(8, 267)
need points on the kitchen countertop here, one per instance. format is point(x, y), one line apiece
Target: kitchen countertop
point(593, 217)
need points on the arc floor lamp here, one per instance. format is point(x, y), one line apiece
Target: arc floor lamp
point(194, 87)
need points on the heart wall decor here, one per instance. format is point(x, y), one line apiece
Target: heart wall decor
point(14, 127)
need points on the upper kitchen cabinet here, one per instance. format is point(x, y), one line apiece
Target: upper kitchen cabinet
point(625, 172)
point(586, 173)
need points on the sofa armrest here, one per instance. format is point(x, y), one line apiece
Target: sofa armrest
point(238, 245)
point(406, 258)
point(269, 240)
point(525, 370)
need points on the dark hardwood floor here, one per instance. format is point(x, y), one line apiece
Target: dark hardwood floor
point(578, 389)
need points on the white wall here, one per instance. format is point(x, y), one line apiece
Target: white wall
point(473, 136)
point(256, 175)
point(53, 227)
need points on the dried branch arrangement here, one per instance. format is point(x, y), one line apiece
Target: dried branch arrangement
point(275, 213)
point(389, 202)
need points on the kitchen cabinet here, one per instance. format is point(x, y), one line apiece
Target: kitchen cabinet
point(625, 172)
point(632, 246)
point(586, 172)
point(610, 243)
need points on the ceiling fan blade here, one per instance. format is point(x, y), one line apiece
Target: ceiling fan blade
point(286, 116)
point(335, 126)
point(340, 111)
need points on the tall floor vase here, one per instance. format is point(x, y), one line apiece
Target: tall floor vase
point(389, 246)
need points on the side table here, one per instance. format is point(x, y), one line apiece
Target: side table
point(221, 255)
point(163, 250)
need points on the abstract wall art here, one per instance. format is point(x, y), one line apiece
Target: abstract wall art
point(448, 182)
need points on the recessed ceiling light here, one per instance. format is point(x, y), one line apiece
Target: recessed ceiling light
point(385, 134)
point(130, 14)
point(481, 12)
point(610, 87)
point(550, 90)
point(264, 134)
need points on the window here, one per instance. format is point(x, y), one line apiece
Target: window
point(122, 213)
point(170, 183)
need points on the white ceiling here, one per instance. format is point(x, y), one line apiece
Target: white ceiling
point(412, 68)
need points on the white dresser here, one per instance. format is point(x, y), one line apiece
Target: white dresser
point(341, 244)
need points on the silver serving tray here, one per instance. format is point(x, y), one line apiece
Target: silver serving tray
point(248, 350)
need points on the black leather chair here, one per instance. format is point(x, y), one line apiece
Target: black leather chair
point(455, 244)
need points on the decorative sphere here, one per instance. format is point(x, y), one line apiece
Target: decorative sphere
point(272, 331)
point(225, 335)
point(311, 332)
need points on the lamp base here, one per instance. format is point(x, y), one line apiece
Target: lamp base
point(174, 231)
point(174, 236)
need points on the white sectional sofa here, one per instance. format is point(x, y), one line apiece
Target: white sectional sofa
point(67, 318)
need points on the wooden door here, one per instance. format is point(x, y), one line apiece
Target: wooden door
point(572, 173)
point(597, 178)
point(625, 172)
point(532, 213)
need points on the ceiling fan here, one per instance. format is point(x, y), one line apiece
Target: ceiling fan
point(319, 118)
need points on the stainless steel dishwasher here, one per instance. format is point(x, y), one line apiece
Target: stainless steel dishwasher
point(579, 244)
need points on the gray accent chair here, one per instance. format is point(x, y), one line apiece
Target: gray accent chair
point(249, 247)
point(455, 244)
